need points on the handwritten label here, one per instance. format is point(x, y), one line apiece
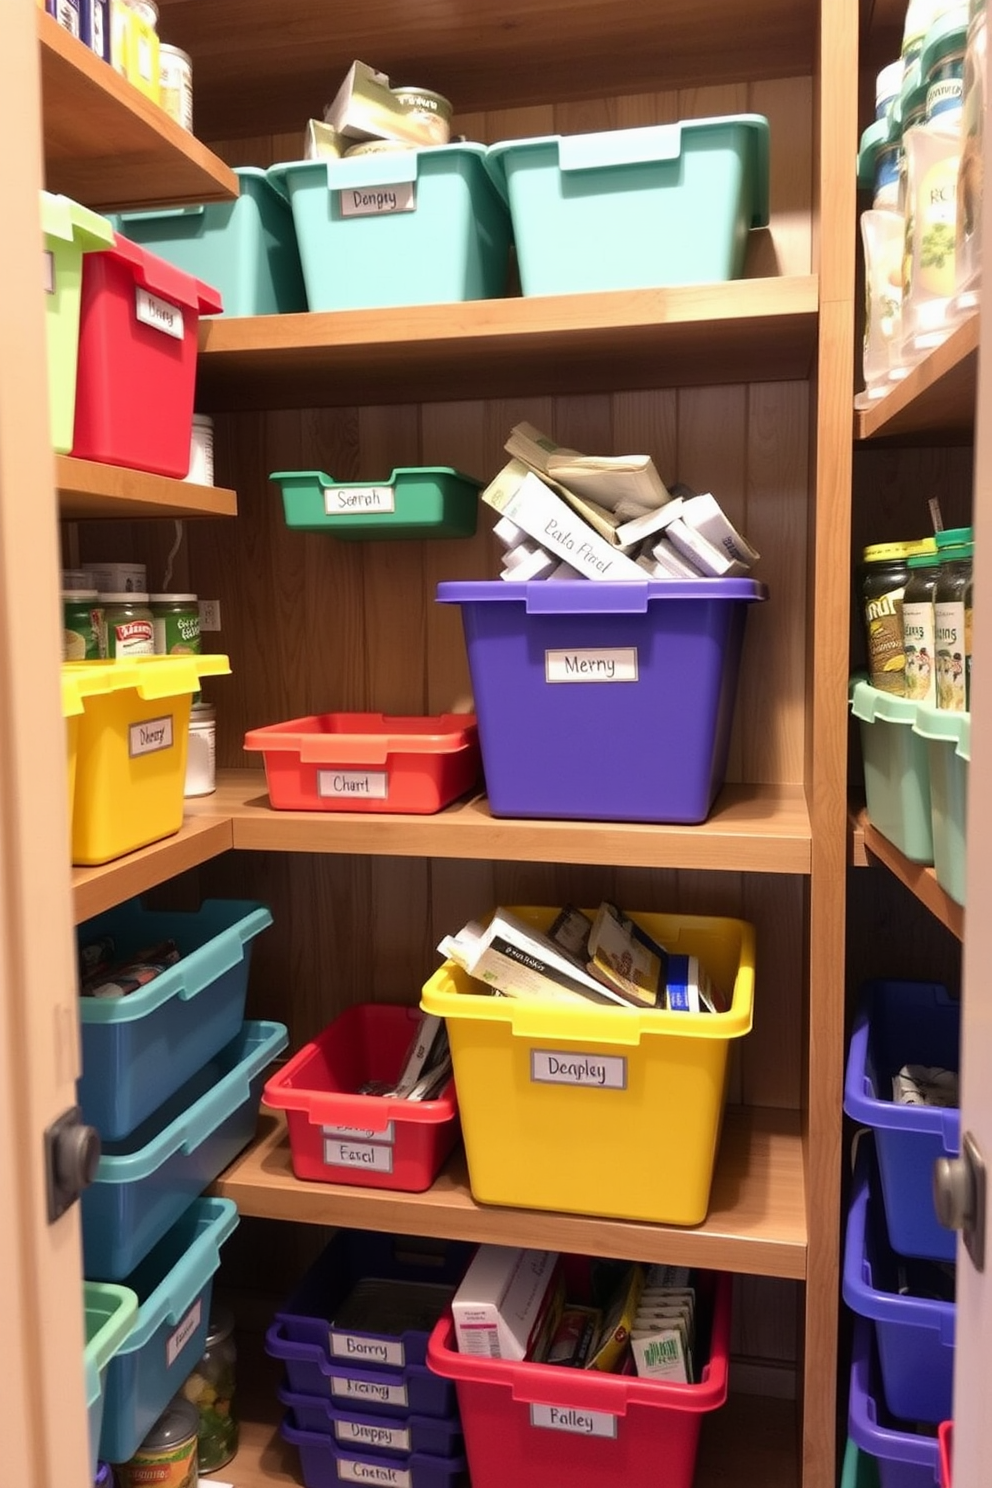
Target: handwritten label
point(618, 664)
point(579, 1422)
point(150, 736)
point(365, 500)
point(363, 1348)
point(350, 1387)
point(48, 270)
point(175, 1344)
point(376, 1157)
point(382, 1438)
point(352, 1470)
point(161, 315)
point(378, 201)
point(356, 785)
point(362, 1134)
point(601, 1071)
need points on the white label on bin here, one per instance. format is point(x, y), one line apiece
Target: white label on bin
point(379, 201)
point(375, 1156)
point(48, 270)
point(362, 1349)
point(175, 1344)
point(161, 315)
point(618, 664)
point(603, 1071)
point(347, 1388)
point(567, 1418)
point(363, 500)
point(381, 1438)
point(354, 785)
point(362, 1134)
point(150, 736)
point(356, 1471)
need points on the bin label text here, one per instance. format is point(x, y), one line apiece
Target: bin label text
point(376, 1156)
point(603, 1071)
point(567, 1418)
point(617, 664)
point(353, 1471)
point(382, 1437)
point(149, 736)
point(379, 201)
point(178, 1340)
point(363, 1134)
point(353, 785)
point(160, 314)
point(344, 1387)
point(364, 1348)
point(362, 500)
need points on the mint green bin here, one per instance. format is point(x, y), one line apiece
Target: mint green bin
point(860, 1470)
point(69, 231)
point(897, 769)
point(947, 737)
point(423, 501)
point(110, 1313)
point(635, 208)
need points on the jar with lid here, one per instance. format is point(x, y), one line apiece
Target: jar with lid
point(211, 1388)
point(918, 628)
point(167, 1456)
point(176, 620)
point(128, 625)
point(883, 582)
point(82, 625)
point(201, 753)
point(942, 68)
point(175, 75)
point(950, 619)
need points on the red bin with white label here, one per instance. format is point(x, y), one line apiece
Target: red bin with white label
point(136, 376)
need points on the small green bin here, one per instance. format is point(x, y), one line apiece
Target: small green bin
point(69, 231)
point(860, 1469)
point(947, 737)
point(110, 1313)
point(422, 501)
point(897, 769)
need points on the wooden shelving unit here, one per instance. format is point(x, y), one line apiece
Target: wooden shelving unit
point(936, 398)
point(870, 846)
point(88, 489)
point(203, 835)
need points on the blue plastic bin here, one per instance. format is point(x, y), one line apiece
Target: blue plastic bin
point(915, 1335)
point(411, 227)
point(325, 1463)
point(139, 1049)
point(635, 208)
point(897, 769)
point(310, 1370)
point(174, 1285)
point(246, 248)
point(354, 1431)
point(653, 748)
point(110, 1312)
point(948, 744)
point(146, 1180)
point(901, 1023)
point(904, 1458)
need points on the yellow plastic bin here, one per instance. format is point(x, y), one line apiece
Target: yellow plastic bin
point(69, 231)
point(131, 750)
point(599, 1110)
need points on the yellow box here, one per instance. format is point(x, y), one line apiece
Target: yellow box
point(131, 750)
point(599, 1110)
point(72, 712)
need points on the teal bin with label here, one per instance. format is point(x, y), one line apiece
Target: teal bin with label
point(897, 769)
point(109, 1315)
point(947, 738)
point(405, 227)
point(246, 248)
point(641, 208)
point(416, 501)
point(69, 231)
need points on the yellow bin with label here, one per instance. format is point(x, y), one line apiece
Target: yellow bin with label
point(607, 1111)
point(131, 750)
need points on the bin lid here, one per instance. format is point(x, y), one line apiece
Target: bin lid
point(150, 676)
point(392, 168)
point(941, 724)
point(61, 217)
point(161, 278)
point(592, 597)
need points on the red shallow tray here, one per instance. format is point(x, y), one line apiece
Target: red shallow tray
point(945, 1434)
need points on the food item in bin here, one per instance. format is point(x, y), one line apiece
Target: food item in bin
point(211, 1388)
point(618, 1320)
point(574, 1337)
point(108, 980)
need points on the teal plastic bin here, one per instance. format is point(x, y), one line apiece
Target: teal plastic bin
point(948, 742)
point(860, 1470)
point(408, 227)
point(635, 208)
point(246, 248)
point(110, 1312)
point(69, 231)
point(423, 501)
point(897, 769)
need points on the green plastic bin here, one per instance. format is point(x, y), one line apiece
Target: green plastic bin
point(246, 248)
point(897, 769)
point(416, 501)
point(69, 231)
point(635, 208)
point(110, 1313)
point(948, 742)
point(860, 1470)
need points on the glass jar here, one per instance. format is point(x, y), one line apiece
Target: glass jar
point(951, 630)
point(128, 626)
point(176, 620)
point(883, 581)
point(201, 754)
point(918, 628)
point(82, 625)
point(942, 66)
point(211, 1388)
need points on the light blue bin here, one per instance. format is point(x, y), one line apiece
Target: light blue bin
point(109, 1312)
point(246, 248)
point(948, 742)
point(408, 227)
point(174, 1285)
point(635, 208)
point(139, 1049)
point(897, 770)
point(147, 1180)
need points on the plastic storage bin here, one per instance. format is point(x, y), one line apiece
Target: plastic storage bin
point(325, 1463)
point(246, 248)
point(131, 757)
point(948, 737)
point(174, 1285)
point(904, 1458)
point(416, 501)
point(139, 1049)
point(110, 1312)
point(915, 1335)
point(69, 231)
point(945, 1436)
point(412, 1390)
point(859, 1470)
point(336, 1136)
point(536, 1424)
point(548, 733)
point(635, 208)
point(901, 1023)
point(77, 684)
point(411, 227)
point(602, 1111)
point(368, 762)
point(354, 1431)
point(146, 1181)
point(137, 359)
point(897, 770)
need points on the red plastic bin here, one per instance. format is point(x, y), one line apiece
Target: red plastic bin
point(945, 1435)
point(368, 762)
point(137, 359)
point(368, 1141)
point(536, 1424)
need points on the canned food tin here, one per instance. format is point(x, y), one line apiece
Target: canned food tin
point(175, 72)
point(201, 450)
point(379, 147)
point(127, 620)
point(82, 625)
point(431, 111)
point(167, 1456)
point(176, 624)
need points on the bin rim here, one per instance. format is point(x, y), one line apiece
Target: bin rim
point(64, 218)
point(940, 725)
point(861, 1101)
point(398, 473)
point(359, 170)
point(583, 597)
point(868, 1432)
point(452, 733)
point(871, 705)
point(111, 1333)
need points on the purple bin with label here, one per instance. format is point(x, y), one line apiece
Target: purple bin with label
point(905, 1459)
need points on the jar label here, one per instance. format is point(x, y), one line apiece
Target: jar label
point(568, 1418)
point(381, 1438)
point(886, 657)
point(355, 1471)
point(949, 625)
point(378, 201)
point(177, 634)
point(150, 736)
point(178, 1340)
point(619, 664)
point(376, 1157)
point(160, 314)
point(364, 1348)
point(600, 1071)
point(364, 499)
point(130, 638)
point(936, 210)
point(356, 785)
point(349, 1388)
point(918, 636)
point(166, 1467)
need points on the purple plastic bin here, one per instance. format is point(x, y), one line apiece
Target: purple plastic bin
point(905, 1459)
point(325, 1464)
point(310, 1370)
point(915, 1336)
point(358, 1432)
point(905, 1023)
point(558, 740)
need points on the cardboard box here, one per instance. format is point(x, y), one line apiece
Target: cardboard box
point(499, 1307)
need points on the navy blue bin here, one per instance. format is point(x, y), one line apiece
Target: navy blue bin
point(905, 1459)
point(356, 1431)
point(310, 1370)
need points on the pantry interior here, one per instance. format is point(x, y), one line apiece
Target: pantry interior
point(744, 388)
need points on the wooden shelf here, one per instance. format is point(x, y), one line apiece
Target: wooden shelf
point(868, 846)
point(203, 835)
point(109, 146)
point(937, 397)
point(747, 329)
point(87, 489)
point(756, 1223)
point(753, 828)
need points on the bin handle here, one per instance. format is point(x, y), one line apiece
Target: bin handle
point(649, 145)
point(162, 213)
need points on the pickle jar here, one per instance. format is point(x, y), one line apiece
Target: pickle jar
point(211, 1388)
point(884, 576)
point(918, 628)
point(951, 620)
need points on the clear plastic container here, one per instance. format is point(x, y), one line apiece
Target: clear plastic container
point(932, 159)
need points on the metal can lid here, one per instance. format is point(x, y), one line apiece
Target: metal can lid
point(79, 594)
point(178, 1422)
point(204, 713)
point(147, 10)
point(923, 560)
point(173, 598)
point(221, 1324)
point(425, 99)
point(131, 597)
point(953, 537)
point(203, 420)
point(888, 552)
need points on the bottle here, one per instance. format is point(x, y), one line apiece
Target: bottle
point(918, 628)
point(955, 549)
